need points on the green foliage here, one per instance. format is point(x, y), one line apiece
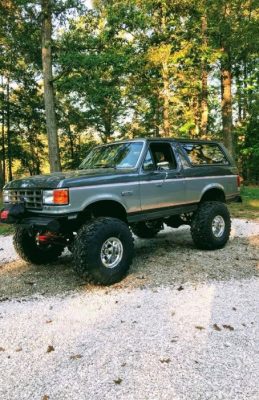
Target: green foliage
point(249, 208)
point(117, 66)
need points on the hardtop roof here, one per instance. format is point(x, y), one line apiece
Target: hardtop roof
point(169, 139)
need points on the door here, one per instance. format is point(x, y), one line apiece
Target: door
point(161, 182)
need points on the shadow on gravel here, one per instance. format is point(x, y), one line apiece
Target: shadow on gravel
point(169, 259)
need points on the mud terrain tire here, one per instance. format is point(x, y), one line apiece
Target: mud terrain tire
point(27, 248)
point(103, 250)
point(211, 225)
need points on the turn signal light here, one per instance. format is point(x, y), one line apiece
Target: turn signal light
point(60, 196)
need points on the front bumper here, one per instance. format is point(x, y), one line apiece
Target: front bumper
point(18, 215)
point(12, 213)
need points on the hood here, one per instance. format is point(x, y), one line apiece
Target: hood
point(83, 177)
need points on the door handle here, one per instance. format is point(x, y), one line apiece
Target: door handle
point(165, 178)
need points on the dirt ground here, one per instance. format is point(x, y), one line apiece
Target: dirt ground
point(169, 259)
point(182, 325)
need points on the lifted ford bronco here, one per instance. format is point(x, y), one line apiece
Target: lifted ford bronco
point(140, 184)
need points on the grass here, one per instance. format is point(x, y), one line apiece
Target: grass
point(249, 209)
point(5, 229)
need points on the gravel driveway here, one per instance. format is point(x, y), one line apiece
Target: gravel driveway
point(182, 325)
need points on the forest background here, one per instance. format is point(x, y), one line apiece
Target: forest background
point(73, 74)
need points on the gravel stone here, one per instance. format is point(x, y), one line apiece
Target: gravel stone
point(142, 338)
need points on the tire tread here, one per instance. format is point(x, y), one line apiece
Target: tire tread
point(28, 250)
point(86, 248)
point(201, 229)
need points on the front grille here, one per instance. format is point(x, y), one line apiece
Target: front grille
point(32, 199)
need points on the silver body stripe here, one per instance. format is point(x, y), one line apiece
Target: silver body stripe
point(143, 182)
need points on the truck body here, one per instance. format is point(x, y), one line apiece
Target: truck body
point(143, 182)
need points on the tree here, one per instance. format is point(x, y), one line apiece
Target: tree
point(94, 65)
point(204, 77)
point(230, 29)
point(2, 149)
point(49, 98)
point(124, 69)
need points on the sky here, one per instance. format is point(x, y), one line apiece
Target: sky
point(88, 3)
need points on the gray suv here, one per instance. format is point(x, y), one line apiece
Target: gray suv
point(123, 187)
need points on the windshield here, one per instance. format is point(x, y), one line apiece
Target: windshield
point(118, 155)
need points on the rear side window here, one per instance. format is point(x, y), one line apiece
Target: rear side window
point(205, 153)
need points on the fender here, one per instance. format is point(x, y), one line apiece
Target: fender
point(96, 199)
point(212, 186)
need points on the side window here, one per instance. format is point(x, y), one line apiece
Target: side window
point(183, 161)
point(148, 164)
point(163, 156)
point(160, 156)
point(205, 153)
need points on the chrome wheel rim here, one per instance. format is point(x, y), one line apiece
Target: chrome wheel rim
point(111, 252)
point(218, 226)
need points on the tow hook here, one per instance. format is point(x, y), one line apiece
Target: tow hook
point(12, 213)
point(50, 238)
point(4, 215)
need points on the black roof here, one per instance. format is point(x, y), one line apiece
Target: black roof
point(169, 139)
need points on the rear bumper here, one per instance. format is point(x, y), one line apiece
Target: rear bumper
point(234, 199)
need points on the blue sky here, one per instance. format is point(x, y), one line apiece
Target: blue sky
point(88, 3)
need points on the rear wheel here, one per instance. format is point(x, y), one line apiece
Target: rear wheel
point(103, 250)
point(147, 229)
point(211, 225)
point(27, 247)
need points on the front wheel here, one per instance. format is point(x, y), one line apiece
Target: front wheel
point(103, 250)
point(27, 247)
point(211, 225)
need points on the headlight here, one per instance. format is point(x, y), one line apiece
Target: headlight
point(6, 198)
point(56, 197)
point(48, 197)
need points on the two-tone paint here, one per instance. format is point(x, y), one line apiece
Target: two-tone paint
point(142, 194)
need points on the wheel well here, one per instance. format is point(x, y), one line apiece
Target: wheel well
point(105, 208)
point(214, 195)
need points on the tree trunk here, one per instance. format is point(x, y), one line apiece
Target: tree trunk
point(195, 133)
point(204, 82)
point(165, 97)
point(49, 97)
point(107, 122)
point(157, 116)
point(32, 142)
point(226, 103)
point(3, 136)
point(165, 75)
point(9, 141)
point(71, 142)
point(245, 107)
point(1, 176)
point(239, 96)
